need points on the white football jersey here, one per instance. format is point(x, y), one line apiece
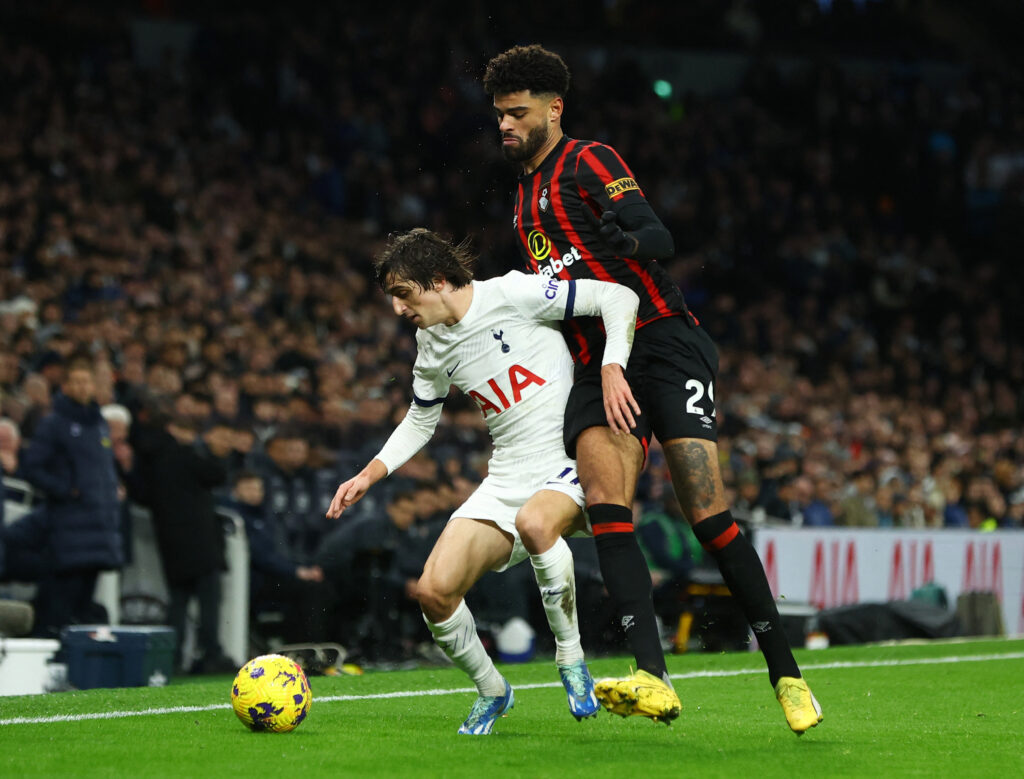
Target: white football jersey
point(507, 353)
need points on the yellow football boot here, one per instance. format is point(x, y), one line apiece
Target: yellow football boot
point(801, 707)
point(640, 694)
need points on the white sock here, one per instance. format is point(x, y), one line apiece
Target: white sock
point(557, 582)
point(458, 638)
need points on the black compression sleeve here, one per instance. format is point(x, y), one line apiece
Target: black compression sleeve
point(654, 241)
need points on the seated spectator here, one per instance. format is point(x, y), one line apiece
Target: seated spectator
point(377, 561)
point(748, 489)
point(10, 447)
point(276, 582)
point(27, 540)
point(857, 508)
point(954, 514)
point(295, 492)
point(815, 501)
point(887, 505)
point(16, 617)
point(779, 500)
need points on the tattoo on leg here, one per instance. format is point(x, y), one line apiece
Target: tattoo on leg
point(697, 479)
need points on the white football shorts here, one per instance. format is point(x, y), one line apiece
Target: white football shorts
point(510, 484)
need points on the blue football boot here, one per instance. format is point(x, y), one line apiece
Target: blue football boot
point(579, 688)
point(485, 711)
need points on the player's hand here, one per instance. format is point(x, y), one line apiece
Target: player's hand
point(348, 493)
point(620, 407)
point(609, 231)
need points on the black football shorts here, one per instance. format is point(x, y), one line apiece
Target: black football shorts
point(672, 371)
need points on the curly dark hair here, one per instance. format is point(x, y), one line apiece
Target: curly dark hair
point(421, 257)
point(532, 68)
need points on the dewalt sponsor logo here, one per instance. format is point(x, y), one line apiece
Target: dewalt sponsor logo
point(620, 187)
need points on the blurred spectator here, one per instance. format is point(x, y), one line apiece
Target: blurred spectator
point(175, 476)
point(814, 503)
point(748, 490)
point(276, 583)
point(672, 552)
point(10, 447)
point(858, 508)
point(378, 560)
point(778, 498)
point(119, 421)
point(71, 462)
point(295, 492)
point(36, 402)
point(954, 514)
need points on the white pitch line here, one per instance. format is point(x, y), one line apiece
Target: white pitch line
point(539, 685)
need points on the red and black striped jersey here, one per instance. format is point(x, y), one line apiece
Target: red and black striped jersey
point(556, 238)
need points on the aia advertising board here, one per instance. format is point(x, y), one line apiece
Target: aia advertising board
point(835, 567)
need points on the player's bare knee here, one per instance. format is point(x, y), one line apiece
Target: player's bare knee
point(437, 605)
point(537, 532)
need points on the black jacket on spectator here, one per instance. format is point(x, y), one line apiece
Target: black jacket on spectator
point(70, 460)
point(268, 550)
point(297, 501)
point(26, 539)
point(175, 481)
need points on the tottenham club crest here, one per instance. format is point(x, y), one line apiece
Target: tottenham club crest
point(544, 200)
point(498, 336)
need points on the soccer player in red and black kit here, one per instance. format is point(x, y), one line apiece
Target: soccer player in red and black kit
point(580, 213)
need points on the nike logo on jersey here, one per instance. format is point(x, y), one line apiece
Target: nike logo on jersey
point(452, 370)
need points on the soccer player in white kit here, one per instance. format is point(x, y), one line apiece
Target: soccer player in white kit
point(499, 342)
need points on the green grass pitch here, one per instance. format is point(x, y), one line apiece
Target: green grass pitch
point(935, 709)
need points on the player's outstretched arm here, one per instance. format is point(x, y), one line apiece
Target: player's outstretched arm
point(351, 491)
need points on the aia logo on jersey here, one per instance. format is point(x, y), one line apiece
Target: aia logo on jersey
point(543, 200)
point(518, 379)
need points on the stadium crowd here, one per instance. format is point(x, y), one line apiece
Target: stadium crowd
point(202, 230)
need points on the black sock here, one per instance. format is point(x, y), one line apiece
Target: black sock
point(625, 573)
point(744, 574)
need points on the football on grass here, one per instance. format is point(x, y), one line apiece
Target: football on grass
point(271, 693)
